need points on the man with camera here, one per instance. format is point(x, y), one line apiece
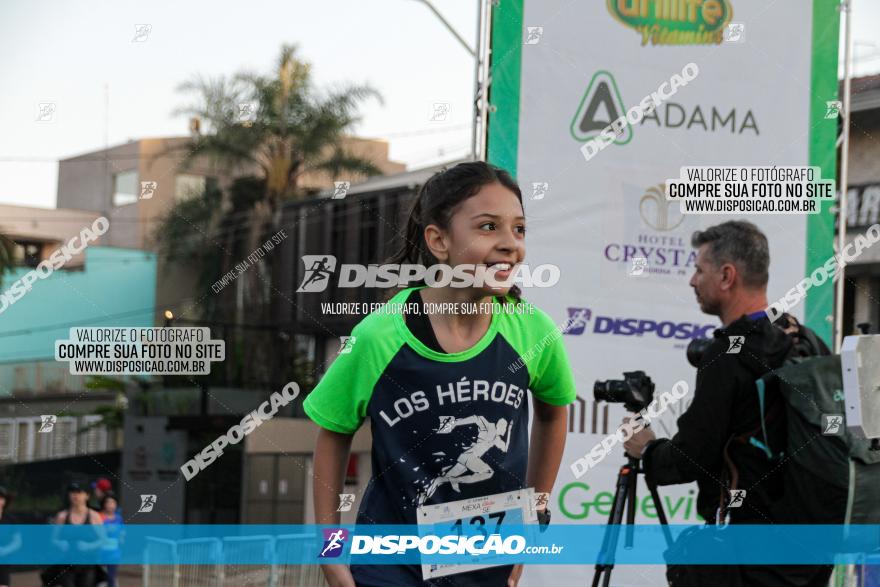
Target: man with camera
point(730, 281)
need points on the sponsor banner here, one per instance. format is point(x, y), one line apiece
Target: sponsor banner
point(599, 210)
point(310, 545)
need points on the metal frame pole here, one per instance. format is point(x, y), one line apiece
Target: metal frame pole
point(846, 6)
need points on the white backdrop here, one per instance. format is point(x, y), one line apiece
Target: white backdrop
point(594, 215)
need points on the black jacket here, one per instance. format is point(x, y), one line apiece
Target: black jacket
point(725, 404)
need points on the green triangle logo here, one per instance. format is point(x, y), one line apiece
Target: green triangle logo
point(600, 105)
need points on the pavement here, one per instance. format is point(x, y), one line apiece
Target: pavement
point(129, 576)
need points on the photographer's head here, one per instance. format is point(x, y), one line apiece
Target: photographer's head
point(730, 278)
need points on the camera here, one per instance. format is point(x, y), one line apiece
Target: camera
point(635, 391)
point(696, 349)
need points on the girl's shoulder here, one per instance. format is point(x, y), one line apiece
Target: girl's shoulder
point(522, 312)
point(382, 322)
point(526, 324)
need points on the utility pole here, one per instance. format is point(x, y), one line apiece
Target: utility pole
point(846, 7)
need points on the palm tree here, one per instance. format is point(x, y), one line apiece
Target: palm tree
point(270, 130)
point(279, 126)
point(7, 256)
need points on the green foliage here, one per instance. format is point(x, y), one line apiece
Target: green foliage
point(7, 256)
point(267, 131)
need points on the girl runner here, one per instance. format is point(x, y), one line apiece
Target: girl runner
point(446, 393)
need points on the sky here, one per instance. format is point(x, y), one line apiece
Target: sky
point(108, 88)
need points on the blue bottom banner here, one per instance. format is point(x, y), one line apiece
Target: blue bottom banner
point(523, 543)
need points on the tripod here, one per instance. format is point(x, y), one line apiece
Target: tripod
point(625, 497)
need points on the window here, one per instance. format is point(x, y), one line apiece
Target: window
point(27, 254)
point(188, 186)
point(125, 188)
point(95, 440)
point(21, 440)
point(7, 440)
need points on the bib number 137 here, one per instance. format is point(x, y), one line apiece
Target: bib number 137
point(480, 523)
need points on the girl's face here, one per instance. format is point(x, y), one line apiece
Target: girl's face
point(486, 229)
point(110, 505)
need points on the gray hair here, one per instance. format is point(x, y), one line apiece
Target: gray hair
point(741, 243)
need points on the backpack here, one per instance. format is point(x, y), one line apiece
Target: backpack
point(829, 476)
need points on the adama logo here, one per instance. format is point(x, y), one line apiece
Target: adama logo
point(674, 22)
point(602, 113)
point(600, 105)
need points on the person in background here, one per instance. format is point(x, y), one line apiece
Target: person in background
point(113, 526)
point(77, 513)
point(100, 487)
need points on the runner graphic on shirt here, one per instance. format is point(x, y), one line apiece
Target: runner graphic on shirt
point(470, 467)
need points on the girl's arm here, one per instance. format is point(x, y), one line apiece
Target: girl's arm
point(549, 429)
point(60, 517)
point(330, 462)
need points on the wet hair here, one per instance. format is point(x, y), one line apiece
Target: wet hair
point(436, 203)
point(741, 243)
